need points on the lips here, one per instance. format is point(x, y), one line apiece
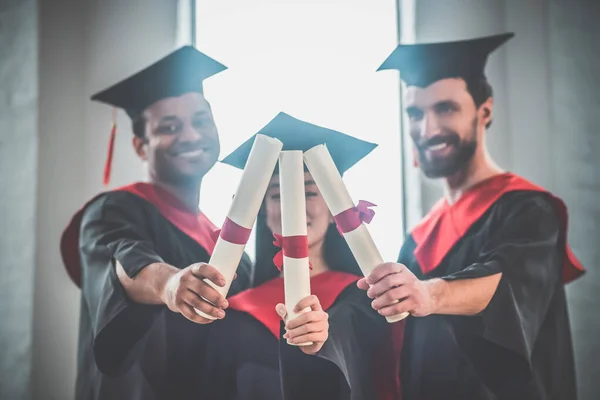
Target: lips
point(438, 145)
point(190, 153)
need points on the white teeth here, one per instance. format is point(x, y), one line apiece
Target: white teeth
point(190, 154)
point(439, 146)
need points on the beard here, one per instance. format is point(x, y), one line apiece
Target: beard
point(458, 159)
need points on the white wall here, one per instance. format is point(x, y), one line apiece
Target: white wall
point(18, 160)
point(545, 126)
point(84, 46)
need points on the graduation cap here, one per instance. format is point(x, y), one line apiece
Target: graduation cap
point(182, 71)
point(422, 64)
point(296, 134)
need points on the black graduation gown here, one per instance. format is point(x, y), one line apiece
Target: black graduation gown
point(246, 361)
point(127, 350)
point(520, 346)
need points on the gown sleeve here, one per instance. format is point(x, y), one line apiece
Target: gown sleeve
point(524, 245)
point(113, 228)
point(343, 368)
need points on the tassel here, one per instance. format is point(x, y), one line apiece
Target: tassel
point(111, 148)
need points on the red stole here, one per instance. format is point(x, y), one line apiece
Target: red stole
point(196, 226)
point(260, 301)
point(445, 224)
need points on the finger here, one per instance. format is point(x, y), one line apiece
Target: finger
point(388, 282)
point(302, 330)
point(203, 289)
point(307, 317)
point(383, 270)
point(311, 302)
point(188, 312)
point(362, 284)
point(391, 297)
point(281, 311)
point(404, 306)
point(321, 325)
point(202, 305)
point(312, 349)
point(235, 275)
point(205, 271)
point(315, 337)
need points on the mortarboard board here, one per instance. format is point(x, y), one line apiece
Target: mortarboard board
point(296, 134)
point(182, 71)
point(424, 63)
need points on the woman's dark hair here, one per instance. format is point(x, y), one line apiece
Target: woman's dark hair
point(336, 252)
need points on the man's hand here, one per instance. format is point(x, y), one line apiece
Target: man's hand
point(311, 326)
point(185, 290)
point(397, 290)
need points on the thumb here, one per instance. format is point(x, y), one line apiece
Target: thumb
point(281, 311)
point(362, 284)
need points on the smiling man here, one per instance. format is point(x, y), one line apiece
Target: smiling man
point(138, 252)
point(483, 274)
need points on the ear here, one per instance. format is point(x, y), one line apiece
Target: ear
point(486, 112)
point(139, 144)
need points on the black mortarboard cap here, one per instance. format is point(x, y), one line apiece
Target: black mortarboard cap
point(424, 63)
point(182, 71)
point(296, 134)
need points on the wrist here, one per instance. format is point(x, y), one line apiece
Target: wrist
point(438, 291)
point(164, 273)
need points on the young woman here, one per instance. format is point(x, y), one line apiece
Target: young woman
point(252, 359)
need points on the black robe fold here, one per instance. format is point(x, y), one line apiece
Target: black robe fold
point(520, 346)
point(128, 350)
point(245, 360)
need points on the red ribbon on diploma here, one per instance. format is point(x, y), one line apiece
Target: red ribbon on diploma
point(232, 233)
point(291, 246)
point(350, 219)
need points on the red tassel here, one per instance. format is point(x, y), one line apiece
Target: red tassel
point(111, 148)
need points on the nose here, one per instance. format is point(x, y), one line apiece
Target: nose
point(430, 126)
point(190, 134)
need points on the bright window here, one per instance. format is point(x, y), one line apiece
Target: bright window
point(316, 61)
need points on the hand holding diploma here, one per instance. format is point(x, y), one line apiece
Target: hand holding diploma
point(350, 218)
point(309, 327)
point(237, 227)
point(293, 240)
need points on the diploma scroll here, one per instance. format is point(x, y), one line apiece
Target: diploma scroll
point(242, 213)
point(296, 271)
point(336, 195)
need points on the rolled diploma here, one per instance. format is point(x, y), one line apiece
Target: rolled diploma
point(296, 271)
point(336, 195)
point(244, 208)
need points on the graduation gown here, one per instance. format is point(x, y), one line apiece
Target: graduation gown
point(520, 346)
point(249, 359)
point(128, 350)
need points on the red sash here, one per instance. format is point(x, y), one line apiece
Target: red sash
point(196, 226)
point(445, 224)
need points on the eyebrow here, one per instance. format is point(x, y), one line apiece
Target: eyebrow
point(169, 118)
point(415, 109)
point(446, 103)
point(202, 113)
